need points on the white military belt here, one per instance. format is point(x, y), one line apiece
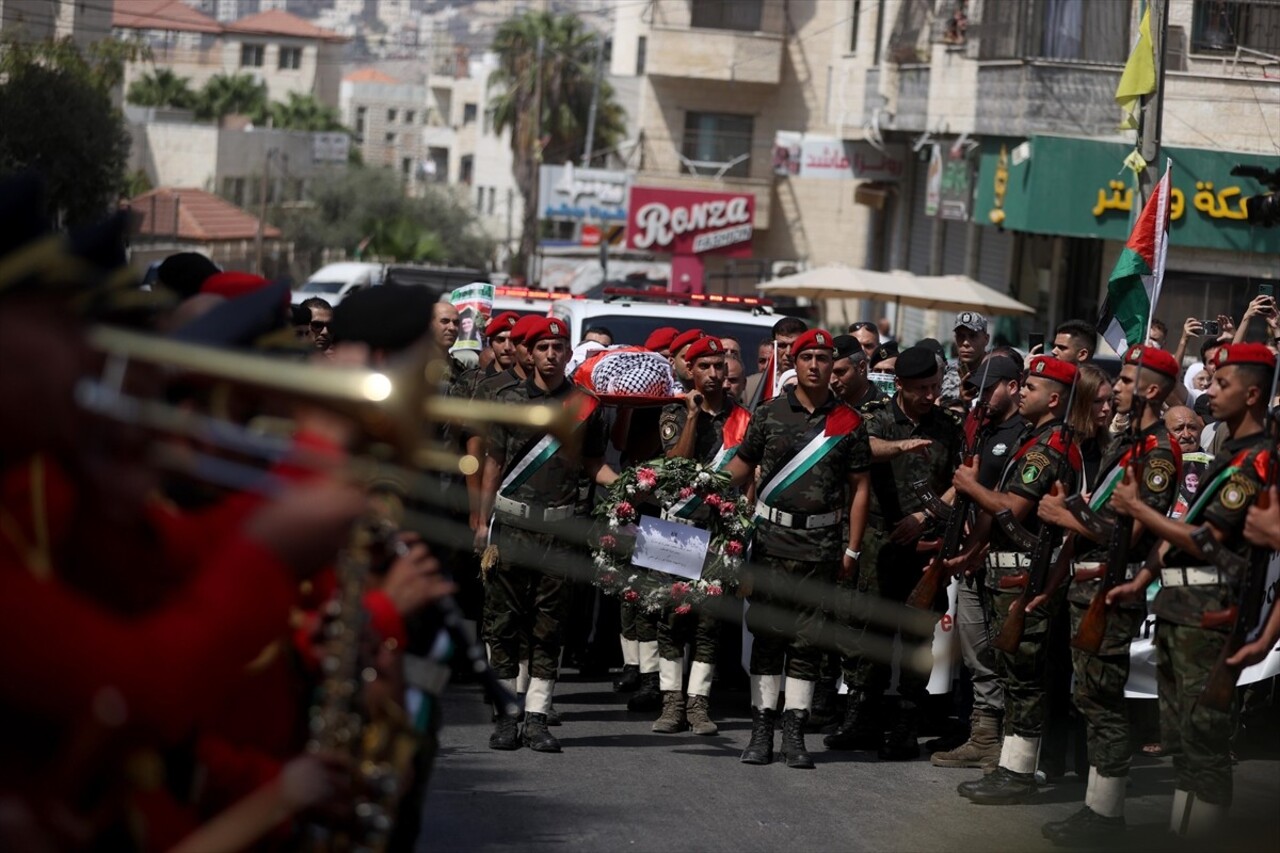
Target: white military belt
point(1008, 560)
point(515, 508)
point(796, 520)
point(1192, 576)
point(1130, 571)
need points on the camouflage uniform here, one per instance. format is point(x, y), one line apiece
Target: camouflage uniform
point(793, 557)
point(1199, 737)
point(526, 595)
point(887, 570)
point(1100, 678)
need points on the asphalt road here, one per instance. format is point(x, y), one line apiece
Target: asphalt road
point(619, 786)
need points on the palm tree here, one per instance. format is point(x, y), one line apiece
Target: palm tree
point(557, 132)
point(162, 88)
point(405, 241)
point(304, 112)
point(232, 94)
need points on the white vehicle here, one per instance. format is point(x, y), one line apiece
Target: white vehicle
point(335, 282)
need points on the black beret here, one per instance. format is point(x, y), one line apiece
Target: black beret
point(885, 352)
point(184, 272)
point(300, 315)
point(387, 317)
point(997, 368)
point(847, 346)
point(239, 322)
point(933, 344)
point(916, 363)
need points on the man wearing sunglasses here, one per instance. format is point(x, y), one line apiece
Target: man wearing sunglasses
point(868, 338)
point(321, 317)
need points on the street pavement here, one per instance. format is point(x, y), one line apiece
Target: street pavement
point(619, 786)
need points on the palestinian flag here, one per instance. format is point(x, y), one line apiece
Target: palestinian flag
point(1134, 287)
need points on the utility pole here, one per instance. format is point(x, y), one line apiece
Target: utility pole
point(535, 160)
point(595, 100)
point(262, 209)
point(1152, 114)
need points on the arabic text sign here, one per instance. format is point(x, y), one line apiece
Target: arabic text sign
point(1224, 203)
point(690, 223)
point(567, 192)
point(801, 155)
point(671, 547)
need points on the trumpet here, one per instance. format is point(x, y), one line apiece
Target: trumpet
point(390, 406)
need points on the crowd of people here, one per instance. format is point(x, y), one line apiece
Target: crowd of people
point(243, 636)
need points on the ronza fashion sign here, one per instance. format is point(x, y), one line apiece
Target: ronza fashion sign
point(690, 223)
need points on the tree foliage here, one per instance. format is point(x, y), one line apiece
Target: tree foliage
point(304, 112)
point(566, 72)
point(358, 205)
point(162, 88)
point(58, 120)
point(232, 94)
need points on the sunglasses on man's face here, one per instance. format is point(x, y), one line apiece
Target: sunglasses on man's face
point(319, 325)
point(858, 327)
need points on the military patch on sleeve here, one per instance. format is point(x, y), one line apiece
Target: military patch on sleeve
point(1159, 475)
point(668, 429)
point(1033, 466)
point(1237, 491)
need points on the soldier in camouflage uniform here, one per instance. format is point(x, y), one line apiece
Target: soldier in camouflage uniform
point(497, 332)
point(1045, 460)
point(1198, 736)
point(707, 427)
point(1100, 676)
point(912, 441)
point(811, 505)
point(971, 340)
point(530, 486)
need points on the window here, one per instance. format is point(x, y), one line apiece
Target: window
point(391, 116)
point(469, 113)
point(466, 166)
point(290, 58)
point(479, 199)
point(493, 192)
point(409, 116)
point(1221, 25)
point(1055, 29)
point(642, 48)
point(251, 55)
point(406, 165)
point(713, 140)
point(855, 15)
point(390, 138)
point(742, 15)
point(360, 114)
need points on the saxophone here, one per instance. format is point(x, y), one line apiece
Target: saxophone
point(358, 713)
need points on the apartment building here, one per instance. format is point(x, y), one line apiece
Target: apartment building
point(39, 20)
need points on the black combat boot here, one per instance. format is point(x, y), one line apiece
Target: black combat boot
point(1001, 788)
point(649, 696)
point(760, 749)
point(793, 739)
point(861, 727)
point(825, 706)
point(536, 736)
point(1085, 828)
point(629, 680)
point(506, 733)
point(902, 741)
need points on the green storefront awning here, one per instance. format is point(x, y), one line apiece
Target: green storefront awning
point(1081, 188)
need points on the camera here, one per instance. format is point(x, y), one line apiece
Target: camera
point(1262, 209)
point(1211, 328)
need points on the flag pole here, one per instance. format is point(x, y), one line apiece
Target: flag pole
point(1162, 250)
point(1152, 115)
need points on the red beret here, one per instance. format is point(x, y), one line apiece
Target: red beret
point(1259, 355)
point(703, 347)
point(547, 328)
point(500, 323)
point(1048, 367)
point(233, 284)
point(1152, 358)
point(660, 339)
point(813, 339)
point(683, 339)
point(522, 327)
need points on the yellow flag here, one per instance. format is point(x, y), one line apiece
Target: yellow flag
point(1139, 77)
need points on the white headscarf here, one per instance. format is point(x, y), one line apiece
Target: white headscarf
point(1189, 380)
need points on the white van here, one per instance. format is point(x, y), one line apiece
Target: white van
point(335, 282)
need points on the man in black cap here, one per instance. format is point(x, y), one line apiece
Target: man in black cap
point(884, 359)
point(971, 341)
point(849, 374)
point(912, 440)
point(997, 380)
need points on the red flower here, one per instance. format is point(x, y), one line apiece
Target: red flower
point(680, 589)
point(687, 492)
point(631, 596)
point(683, 609)
point(624, 512)
point(714, 591)
point(608, 543)
point(608, 579)
point(727, 509)
point(733, 548)
point(646, 478)
point(714, 500)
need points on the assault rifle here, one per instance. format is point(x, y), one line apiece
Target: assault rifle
point(1093, 627)
point(926, 589)
point(1033, 581)
point(1252, 574)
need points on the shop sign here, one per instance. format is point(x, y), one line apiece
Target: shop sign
point(1081, 188)
point(956, 191)
point(595, 195)
point(933, 181)
point(806, 155)
point(683, 222)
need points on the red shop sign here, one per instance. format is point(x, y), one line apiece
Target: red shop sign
point(690, 223)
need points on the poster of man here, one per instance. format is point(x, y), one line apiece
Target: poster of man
point(475, 304)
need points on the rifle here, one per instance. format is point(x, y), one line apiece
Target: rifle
point(1093, 627)
point(1041, 553)
point(1244, 616)
point(926, 589)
